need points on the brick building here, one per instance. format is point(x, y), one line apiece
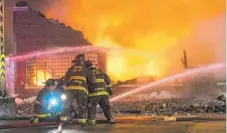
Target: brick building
point(34, 32)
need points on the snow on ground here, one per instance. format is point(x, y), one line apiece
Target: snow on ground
point(7, 106)
point(25, 106)
point(172, 106)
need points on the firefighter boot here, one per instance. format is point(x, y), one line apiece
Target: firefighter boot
point(112, 120)
point(71, 116)
point(91, 111)
point(34, 120)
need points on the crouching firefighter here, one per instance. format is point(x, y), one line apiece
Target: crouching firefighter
point(48, 103)
point(98, 94)
point(75, 81)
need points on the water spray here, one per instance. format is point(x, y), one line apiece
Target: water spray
point(76, 50)
point(103, 49)
point(177, 76)
point(57, 51)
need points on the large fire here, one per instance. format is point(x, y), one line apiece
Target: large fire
point(150, 34)
point(41, 77)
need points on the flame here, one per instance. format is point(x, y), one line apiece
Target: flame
point(41, 76)
point(150, 33)
point(117, 66)
point(151, 69)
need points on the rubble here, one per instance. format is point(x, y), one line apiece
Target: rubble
point(7, 106)
point(174, 106)
point(26, 106)
point(156, 107)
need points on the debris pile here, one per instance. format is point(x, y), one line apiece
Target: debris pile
point(26, 106)
point(173, 106)
point(157, 107)
point(7, 106)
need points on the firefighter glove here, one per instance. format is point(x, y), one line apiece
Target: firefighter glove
point(110, 92)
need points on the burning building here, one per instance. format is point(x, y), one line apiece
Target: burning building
point(34, 32)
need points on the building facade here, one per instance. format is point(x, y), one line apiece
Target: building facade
point(34, 32)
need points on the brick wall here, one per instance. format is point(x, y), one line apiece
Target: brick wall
point(32, 31)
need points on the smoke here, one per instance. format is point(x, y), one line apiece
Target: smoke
point(165, 94)
point(209, 40)
point(159, 29)
point(199, 82)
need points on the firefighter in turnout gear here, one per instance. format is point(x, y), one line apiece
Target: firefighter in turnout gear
point(98, 94)
point(75, 82)
point(74, 111)
point(46, 107)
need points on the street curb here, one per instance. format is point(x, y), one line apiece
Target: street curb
point(15, 117)
point(175, 118)
point(21, 125)
point(202, 118)
point(138, 118)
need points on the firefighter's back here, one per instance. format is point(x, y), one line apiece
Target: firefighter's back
point(76, 78)
point(98, 94)
point(100, 84)
point(76, 81)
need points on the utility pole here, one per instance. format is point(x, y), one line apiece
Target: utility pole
point(185, 60)
point(2, 48)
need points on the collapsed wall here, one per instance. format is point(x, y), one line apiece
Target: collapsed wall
point(34, 32)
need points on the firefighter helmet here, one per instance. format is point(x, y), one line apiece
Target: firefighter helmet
point(49, 82)
point(79, 56)
point(88, 64)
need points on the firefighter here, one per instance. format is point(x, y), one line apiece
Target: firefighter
point(75, 82)
point(98, 94)
point(47, 105)
point(73, 111)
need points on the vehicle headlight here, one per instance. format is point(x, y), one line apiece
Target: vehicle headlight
point(63, 96)
point(53, 102)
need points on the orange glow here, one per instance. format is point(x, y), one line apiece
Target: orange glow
point(42, 76)
point(151, 69)
point(150, 33)
point(117, 66)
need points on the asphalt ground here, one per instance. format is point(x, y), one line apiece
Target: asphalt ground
point(132, 127)
point(129, 124)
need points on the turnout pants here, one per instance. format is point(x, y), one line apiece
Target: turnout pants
point(74, 111)
point(104, 103)
point(81, 99)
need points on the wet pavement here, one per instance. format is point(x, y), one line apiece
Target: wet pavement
point(131, 127)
